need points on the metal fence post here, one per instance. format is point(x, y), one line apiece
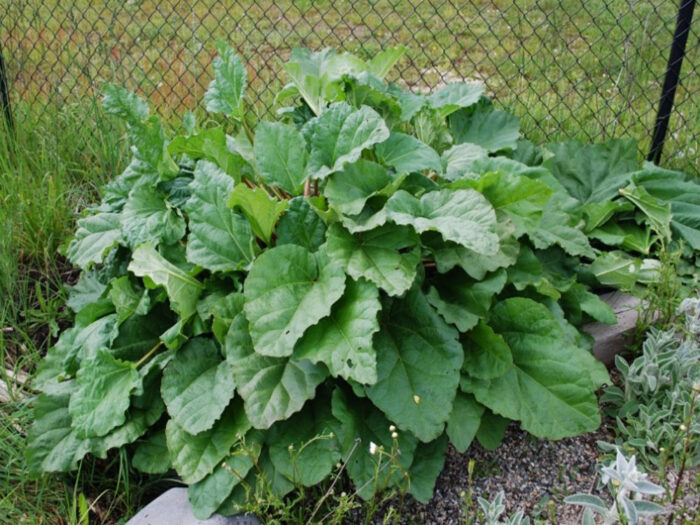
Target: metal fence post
point(4, 91)
point(673, 70)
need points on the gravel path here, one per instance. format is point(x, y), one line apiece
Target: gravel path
point(535, 474)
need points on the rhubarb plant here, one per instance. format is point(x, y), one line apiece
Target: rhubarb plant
point(257, 298)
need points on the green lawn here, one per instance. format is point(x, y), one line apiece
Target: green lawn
point(569, 69)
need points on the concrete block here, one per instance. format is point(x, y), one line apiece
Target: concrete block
point(610, 340)
point(173, 508)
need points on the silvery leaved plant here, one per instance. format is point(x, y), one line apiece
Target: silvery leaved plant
point(627, 485)
point(492, 511)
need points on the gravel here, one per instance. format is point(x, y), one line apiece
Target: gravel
point(535, 474)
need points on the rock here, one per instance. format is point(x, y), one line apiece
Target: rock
point(610, 340)
point(173, 508)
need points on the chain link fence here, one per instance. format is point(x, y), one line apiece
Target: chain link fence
point(590, 70)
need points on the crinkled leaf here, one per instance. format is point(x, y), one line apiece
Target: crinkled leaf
point(303, 448)
point(197, 385)
point(491, 129)
point(458, 161)
point(220, 239)
point(486, 354)
point(126, 105)
point(196, 456)
point(452, 97)
point(343, 340)
point(301, 225)
point(598, 213)
point(261, 210)
point(590, 303)
point(95, 236)
point(387, 256)
point(151, 455)
point(682, 192)
point(461, 216)
point(593, 172)
point(492, 429)
point(622, 271)
point(407, 154)
point(555, 228)
point(287, 290)
point(100, 403)
point(428, 460)
point(225, 93)
point(281, 155)
point(272, 388)
point(183, 289)
point(89, 289)
point(360, 424)
point(520, 198)
point(53, 445)
point(546, 388)
point(339, 135)
point(461, 300)
point(658, 213)
point(464, 421)
point(418, 362)
point(127, 300)
point(349, 189)
point(147, 218)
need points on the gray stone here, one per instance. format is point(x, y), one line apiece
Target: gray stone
point(173, 508)
point(610, 340)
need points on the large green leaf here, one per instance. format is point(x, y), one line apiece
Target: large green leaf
point(100, 403)
point(287, 290)
point(448, 255)
point(272, 388)
point(303, 448)
point(418, 362)
point(657, 212)
point(151, 454)
point(491, 129)
point(546, 389)
point(301, 225)
point(128, 300)
point(261, 210)
point(464, 421)
point(520, 198)
point(593, 172)
point(486, 354)
point(281, 155)
point(461, 216)
point(208, 494)
point(183, 289)
point(225, 93)
point(53, 445)
point(339, 135)
point(682, 192)
point(620, 270)
point(95, 236)
point(220, 239)
point(361, 424)
point(197, 385)
point(407, 154)
point(428, 460)
point(459, 160)
point(343, 340)
point(126, 105)
point(348, 190)
point(557, 227)
point(461, 300)
point(452, 97)
point(382, 62)
point(387, 256)
point(148, 218)
point(196, 456)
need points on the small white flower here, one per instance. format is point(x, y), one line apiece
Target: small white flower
point(392, 428)
point(373, 448)
point(416, 399)
point(683, 428)
point(394, 435)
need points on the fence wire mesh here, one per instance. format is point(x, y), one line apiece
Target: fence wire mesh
point(590, 70)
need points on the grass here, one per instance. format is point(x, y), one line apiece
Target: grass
point(591, 70)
